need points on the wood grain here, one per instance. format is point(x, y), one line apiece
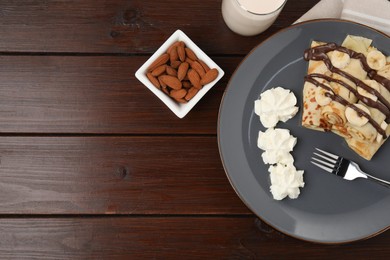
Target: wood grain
point(114, 175)
point(94, 166)
point(120, 26)
point(67, 94)
point(167, 238)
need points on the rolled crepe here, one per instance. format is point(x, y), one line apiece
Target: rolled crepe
point(364, 139)
point(364, 150)
point(334, 113)
point(366, 133)
point(311, 115)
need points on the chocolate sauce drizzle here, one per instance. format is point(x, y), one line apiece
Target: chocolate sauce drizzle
point(319, 54)
point(344, 102)
point(369, 102)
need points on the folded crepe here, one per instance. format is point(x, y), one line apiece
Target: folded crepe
point(347, 91)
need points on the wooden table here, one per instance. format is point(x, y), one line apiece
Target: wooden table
point(93, 165)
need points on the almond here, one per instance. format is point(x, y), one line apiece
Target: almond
point(182, 70)
point(204, 65)
point(191, 93)
point(163, 85)
point(153, 79)
point(173, 45)
point(178, 93)
point(175, 64)
point(165, 90)
point(159, 61)
point(191, 54)
point(188, 60)
point(194, 78)
point(209, 76)
point(171, 81)
point(173, 55)
point(181, 51)
point(159, 70)
point(171, 71)
point(196, 66)
point(186, 84)
point(181, 100)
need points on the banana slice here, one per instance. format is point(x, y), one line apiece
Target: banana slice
point(376, 60)
point(321, 98)
point(379, 137)
point(340, 59)
point(353, 117)
point(372, 84)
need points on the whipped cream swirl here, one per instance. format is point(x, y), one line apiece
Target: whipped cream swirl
point(277, 144)
point(276, 104)
point(285, 181)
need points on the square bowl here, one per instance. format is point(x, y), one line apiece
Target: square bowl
point(180, 109)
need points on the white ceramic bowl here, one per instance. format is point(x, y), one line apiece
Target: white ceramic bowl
point(180, 109)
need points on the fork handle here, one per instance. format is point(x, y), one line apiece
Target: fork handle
point(380, 181)
point(373, 178)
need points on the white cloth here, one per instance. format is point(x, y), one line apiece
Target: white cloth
point(373, 13)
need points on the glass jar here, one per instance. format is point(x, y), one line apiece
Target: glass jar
point(250, 17)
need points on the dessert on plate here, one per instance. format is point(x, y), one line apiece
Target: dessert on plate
point(347, 91)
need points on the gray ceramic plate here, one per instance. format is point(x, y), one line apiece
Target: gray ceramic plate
point(329, 209)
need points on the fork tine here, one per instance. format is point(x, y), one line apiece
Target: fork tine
point(326, 158)
point(322, 167)
point(328, 153)
point(331, 165)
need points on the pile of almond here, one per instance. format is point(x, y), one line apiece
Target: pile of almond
point(179, 73)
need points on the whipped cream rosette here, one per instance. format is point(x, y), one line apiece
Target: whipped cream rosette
point(277, 144)
point(276, 104)
point(285, 181)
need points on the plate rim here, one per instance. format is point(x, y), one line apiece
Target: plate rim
point(218, 129)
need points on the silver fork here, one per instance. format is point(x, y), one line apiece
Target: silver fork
point(342, 167)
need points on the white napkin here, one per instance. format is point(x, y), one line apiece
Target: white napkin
point(374, 13)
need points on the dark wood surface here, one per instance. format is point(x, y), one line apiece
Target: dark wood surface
point(94, 166)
